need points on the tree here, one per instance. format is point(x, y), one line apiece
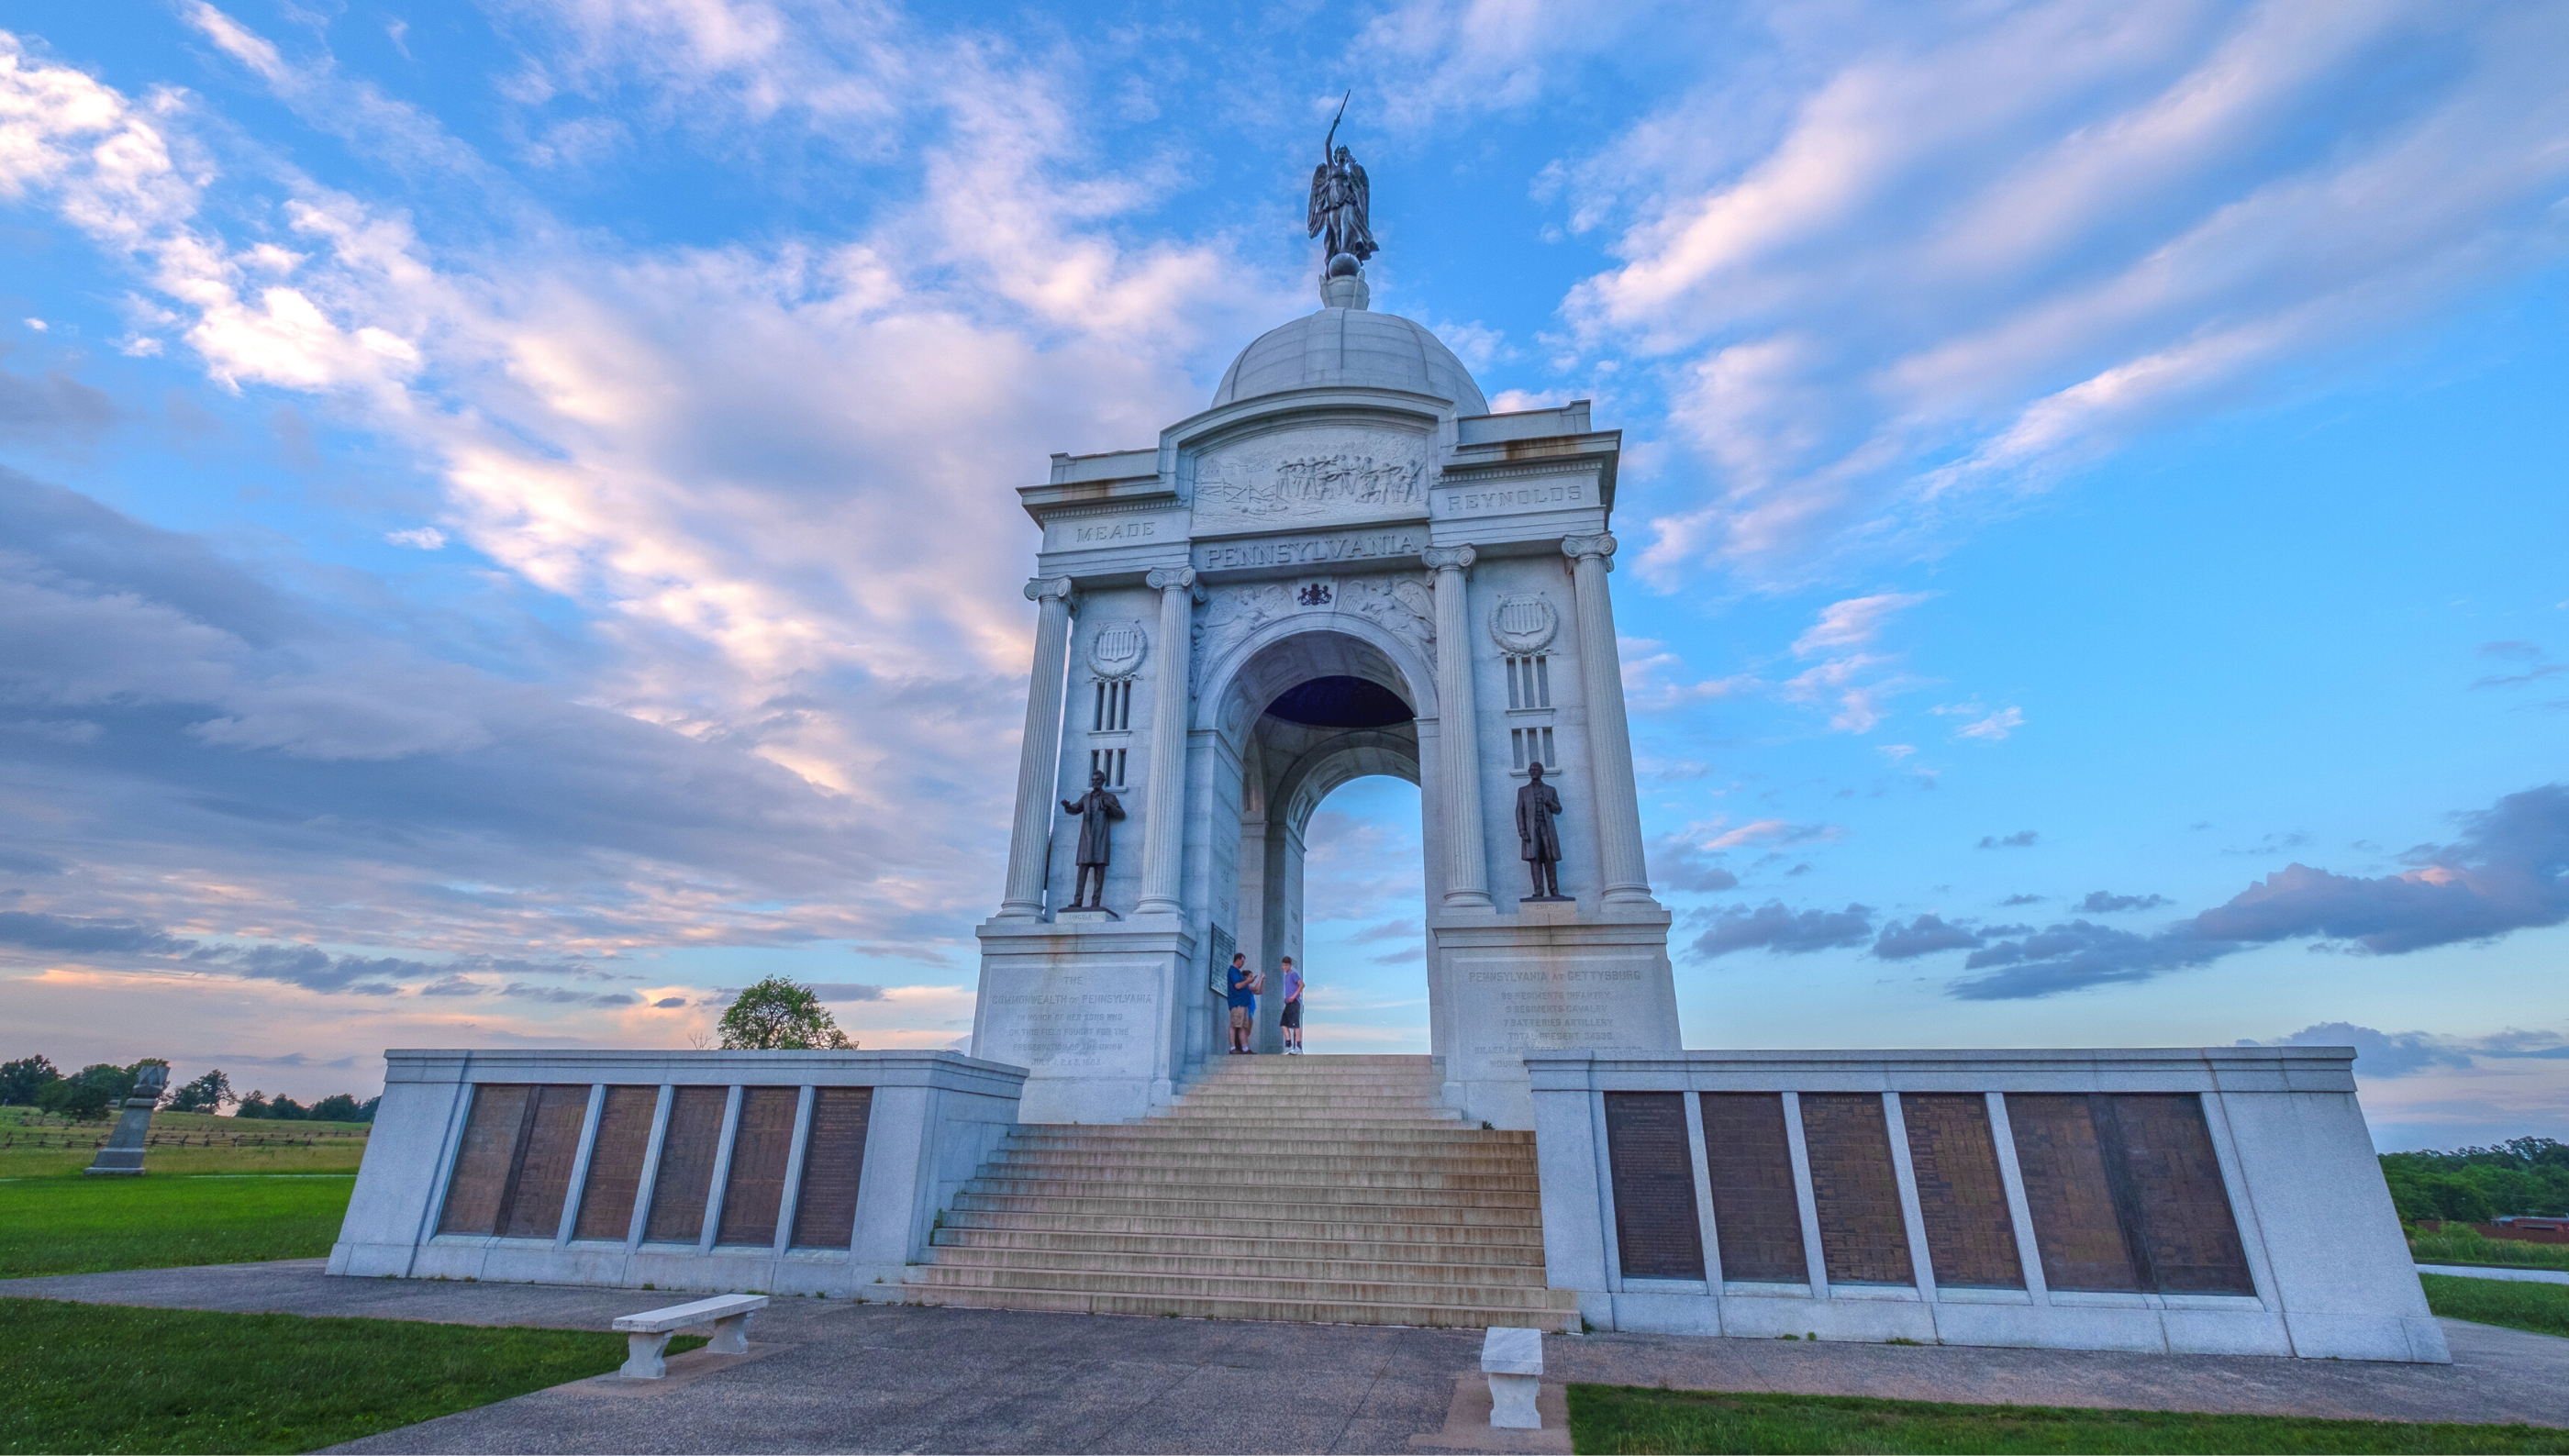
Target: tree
point(209, 1093)
point(77, 1098)
point(22, 1079)
point(337, 1107)
point(779, 1015)
point(254, 1107)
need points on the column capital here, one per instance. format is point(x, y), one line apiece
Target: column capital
point(1043, 586)
point(1458, 557)
point(1166, 578)
point(1581, 548)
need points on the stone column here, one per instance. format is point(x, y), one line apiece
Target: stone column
point(1458, 736)
point(1609, 738)
point(1039, 753)
point(1164, 824)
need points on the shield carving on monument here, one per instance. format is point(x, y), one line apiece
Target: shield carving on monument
point(1116, 650)
point(1524, 623)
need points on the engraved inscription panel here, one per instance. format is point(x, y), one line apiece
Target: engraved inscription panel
point(754, 1189)
point(686, 1165)
point(549, 1143)
point(1073, 1020)
point(2076, 1231)
point(833, 1164)
point(615, 1164)
point(1854, 1188)
point(1756, 1217)
point(1296, 475)
point(1962, 1200)
point(1514, 1009)
point(2189, 1237)
point(481, 1163)
point(1657, 1232)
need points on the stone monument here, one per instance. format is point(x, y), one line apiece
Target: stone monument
point(1346, 565)
point(123, 1155)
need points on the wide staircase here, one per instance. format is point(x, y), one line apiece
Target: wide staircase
point(1318, 1189)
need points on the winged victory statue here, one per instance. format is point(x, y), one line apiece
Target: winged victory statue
point(1342, 203)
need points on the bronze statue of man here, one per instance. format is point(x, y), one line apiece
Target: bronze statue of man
point(1097, 810)
point(1536, 837)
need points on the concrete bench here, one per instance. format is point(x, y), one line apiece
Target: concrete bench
point(1513, 1359)
point(646, 1335)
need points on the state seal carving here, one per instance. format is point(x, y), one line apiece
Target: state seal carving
point(1116, 651)
point(1524, 623)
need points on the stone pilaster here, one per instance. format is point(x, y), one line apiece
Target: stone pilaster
point(1164, 810)
point(1039, 753)
point(1609, 738)
point(1458, 735)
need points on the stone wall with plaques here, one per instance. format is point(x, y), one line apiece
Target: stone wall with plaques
point(815, 1172)
point(2217, 1200)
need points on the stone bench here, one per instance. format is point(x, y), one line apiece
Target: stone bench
point(646, 1335)
point(1513, 1359)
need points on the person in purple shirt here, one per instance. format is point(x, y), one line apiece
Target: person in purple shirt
point(1291, 1020)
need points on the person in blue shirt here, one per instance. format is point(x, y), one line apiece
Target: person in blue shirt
point(1243, 1003)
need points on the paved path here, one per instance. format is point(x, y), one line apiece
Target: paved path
point(836, 1375)
point(2497, 1272)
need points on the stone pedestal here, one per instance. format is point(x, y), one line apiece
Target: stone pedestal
point(123, 1155)
point(1547, 979)
point(1086, 1006)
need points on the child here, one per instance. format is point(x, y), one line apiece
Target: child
point(1292, 1018)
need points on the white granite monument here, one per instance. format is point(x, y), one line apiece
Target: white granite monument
point(1346, 565)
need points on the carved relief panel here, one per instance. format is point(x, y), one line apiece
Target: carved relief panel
point(1315, 474)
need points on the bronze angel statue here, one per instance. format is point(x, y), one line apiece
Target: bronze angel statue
point(1341, 201)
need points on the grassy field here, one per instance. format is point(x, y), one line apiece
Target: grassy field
point(2462, 1244)
point(35, 1146)
point(1626, 1418)
point(99, 1378)
point(67, 1224)
point(2542, 1309)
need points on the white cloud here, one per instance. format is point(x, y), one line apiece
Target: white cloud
point(1994, 727)
point(1974, 246)
point(425, 538)
point(1854, 622)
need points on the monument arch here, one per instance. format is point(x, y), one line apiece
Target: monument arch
point(1347, 522)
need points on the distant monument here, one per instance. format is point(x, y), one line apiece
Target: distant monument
point(123, 1155)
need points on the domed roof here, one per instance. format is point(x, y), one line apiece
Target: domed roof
point(1352, 346)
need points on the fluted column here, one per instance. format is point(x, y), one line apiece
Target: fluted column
point(1609, 738)
point(1458, 735)
point(1164, 819)
point(1039, 752)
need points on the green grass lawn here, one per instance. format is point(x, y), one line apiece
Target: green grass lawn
point(67, 1224)
point(2542, 1309)
point(101, 1377)
point(30, 1145)
point(2462, 1244)
point(1628, 1418)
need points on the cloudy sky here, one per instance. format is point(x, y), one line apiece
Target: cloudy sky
point(506, 516)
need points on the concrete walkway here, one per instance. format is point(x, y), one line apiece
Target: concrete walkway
point(2517, 1273)
point(831, 1376)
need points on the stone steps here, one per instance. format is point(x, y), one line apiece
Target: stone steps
point(1482, 1246)
point(1313, 1189)
point(1403, 1226)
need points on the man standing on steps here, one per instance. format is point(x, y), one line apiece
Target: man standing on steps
point(1291, 1019)
point(1243, 1003)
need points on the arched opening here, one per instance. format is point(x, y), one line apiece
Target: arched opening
point(1316, 707)
point(1364, 941)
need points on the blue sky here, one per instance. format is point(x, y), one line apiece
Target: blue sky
point(506, 516)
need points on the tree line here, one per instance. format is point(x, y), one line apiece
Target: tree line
point(2521, 1176)
point(100, 1088)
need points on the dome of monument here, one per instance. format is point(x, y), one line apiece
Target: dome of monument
point(1350, 346)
